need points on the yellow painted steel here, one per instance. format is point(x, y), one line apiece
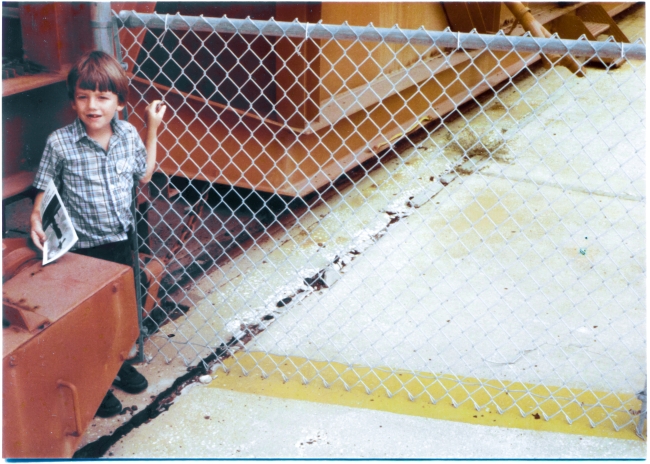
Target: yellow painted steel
point(339, 384)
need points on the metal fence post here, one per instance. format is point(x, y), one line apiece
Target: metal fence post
point(643, 396)
point(101, 24)
point(106, 39)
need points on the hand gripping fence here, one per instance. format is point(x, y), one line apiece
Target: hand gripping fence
point(433, 214)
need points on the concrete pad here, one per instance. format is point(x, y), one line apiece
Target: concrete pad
point(514, 271)
point(527, 266)
point(214, 423)
point(159, 373)
point(488, 283)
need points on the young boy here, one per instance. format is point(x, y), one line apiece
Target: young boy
point(94, 162)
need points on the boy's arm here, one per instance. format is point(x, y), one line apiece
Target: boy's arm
point(154, 114)
point(37, 234)
point(49, 168)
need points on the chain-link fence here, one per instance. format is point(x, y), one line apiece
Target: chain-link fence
point(434, 214)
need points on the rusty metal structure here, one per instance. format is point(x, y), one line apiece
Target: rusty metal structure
point(298, 108)
point(67, 329)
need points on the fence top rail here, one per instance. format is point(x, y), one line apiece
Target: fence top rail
point(446, 38)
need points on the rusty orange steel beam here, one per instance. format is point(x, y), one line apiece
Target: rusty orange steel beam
point(530, 24)
point(231, 148)
point(306, 148)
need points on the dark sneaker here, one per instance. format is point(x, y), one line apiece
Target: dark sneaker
point(110, 406)
point(130, 380)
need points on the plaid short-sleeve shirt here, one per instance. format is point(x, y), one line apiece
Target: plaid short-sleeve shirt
point(95, 184)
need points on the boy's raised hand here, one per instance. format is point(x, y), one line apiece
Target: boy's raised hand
point(154, 114)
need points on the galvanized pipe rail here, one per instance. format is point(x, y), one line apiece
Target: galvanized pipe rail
point(103, 37)
point(446, 38)
point(101, 25)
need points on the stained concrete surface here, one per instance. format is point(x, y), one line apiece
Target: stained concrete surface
point(550, 184)
point(479, 308)
point(505, 261)
point(209, 422)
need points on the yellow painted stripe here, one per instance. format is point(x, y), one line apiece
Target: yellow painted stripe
point(307, 379)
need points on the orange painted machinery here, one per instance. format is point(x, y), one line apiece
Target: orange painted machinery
point(310, 110)
point(67, 329)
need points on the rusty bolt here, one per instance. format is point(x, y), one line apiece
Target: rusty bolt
point(12, 361)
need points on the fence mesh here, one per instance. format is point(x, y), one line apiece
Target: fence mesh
point(396, 215)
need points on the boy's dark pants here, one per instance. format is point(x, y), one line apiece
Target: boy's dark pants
point(116, 252)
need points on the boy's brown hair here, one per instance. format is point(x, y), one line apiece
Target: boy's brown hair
point(97, 70)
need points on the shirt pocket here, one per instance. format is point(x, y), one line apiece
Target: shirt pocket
point(124, 168)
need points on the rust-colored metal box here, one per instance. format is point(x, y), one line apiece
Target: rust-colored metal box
point(71, 326)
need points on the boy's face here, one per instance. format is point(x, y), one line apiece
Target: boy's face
point(95, 109)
